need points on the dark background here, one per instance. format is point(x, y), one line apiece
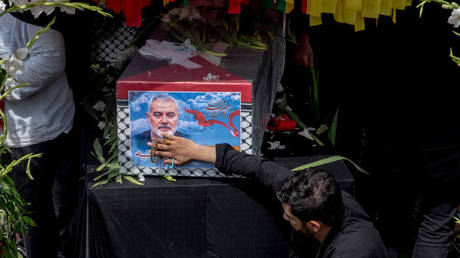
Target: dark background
point(395, 87)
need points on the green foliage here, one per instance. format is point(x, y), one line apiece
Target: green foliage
point(77, 5)
point(13, 216)
point(445, 5)
point(332, 135)
point(327, 161)
point(314, 111)
point(105, 148)
point(208, 24)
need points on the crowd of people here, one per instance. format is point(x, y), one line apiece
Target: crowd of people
point(417, 123)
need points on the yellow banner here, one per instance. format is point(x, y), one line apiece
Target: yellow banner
point(314, 21)
point(349, 17)
point(352, 12)
point(354, 5)
point(371, 8)
point(338, 16)
point(359, 24)
point(314, 7)
point(328, 6)
point(289, 6)
point(399, 4)
point(386, 7)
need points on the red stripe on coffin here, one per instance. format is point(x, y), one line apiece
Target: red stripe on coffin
point(174, 77)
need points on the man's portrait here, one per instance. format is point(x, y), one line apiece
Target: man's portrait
point(205, 117)
point(163, 117)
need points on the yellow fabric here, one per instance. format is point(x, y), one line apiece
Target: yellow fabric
point(353, 12)
point(349, 16)
point(328, 6)
point(371, 8)
point(353, 5)
point(314, 8)
point(359, 23)
point(314, 21)
point(399, 4)
point(165, 2)
point(289, 6)
point(386, 7)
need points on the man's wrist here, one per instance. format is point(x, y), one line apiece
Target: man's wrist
point(204, 153)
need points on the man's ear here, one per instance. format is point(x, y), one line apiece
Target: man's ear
point(314, 225)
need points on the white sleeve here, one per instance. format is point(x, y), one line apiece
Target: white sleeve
point(45, 63)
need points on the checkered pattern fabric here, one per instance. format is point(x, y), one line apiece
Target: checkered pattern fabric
point(112, 39)
point(124, 147)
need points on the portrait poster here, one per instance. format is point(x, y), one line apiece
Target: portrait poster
point(207, 118)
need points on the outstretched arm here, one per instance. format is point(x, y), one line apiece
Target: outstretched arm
point(226, 159)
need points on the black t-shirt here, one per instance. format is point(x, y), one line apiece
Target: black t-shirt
point(357, 236)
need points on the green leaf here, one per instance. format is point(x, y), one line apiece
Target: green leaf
point(113, 148)
point(101, 167)
point(105, 181)
point(314, 94)
point(106, 130)
point(132, 180)
point(118, 179)
point(29, 221)
point(332, 134)
point(113, 157)
point(170, 178)
point(40, 32)
point(100, 159)
point(97, 147)
point(113, 165)
point(327, 161)
point(28, 170)
point(101, 175)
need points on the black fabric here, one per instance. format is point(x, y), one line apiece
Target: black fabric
point(191, 217)
point(436, 229)
point(187, 218)
point(52, 194)
point(299, 23)
point(394, 86)
point(340, 169)
point(272, 172)
point(357, 236)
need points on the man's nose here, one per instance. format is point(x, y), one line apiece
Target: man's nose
point(164, 119)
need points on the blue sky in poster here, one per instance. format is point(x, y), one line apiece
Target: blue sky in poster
point(216, 106)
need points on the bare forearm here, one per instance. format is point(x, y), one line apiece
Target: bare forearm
point(205, 153)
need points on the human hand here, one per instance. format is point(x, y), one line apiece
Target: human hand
point(181, 149)
point(303, 54)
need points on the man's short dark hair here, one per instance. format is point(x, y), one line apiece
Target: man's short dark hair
point(313, 194)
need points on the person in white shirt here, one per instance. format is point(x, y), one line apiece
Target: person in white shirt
point(39, 120)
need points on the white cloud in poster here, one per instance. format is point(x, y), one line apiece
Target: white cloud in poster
point(140, 125)
point(209, 97)
point(135, 103)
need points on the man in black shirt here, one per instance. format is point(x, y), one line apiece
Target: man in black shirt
point(312, 201)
